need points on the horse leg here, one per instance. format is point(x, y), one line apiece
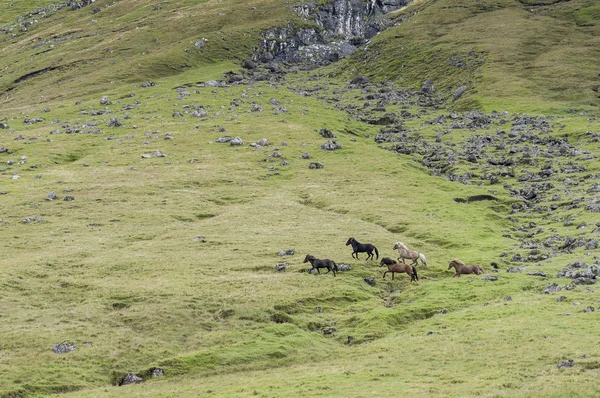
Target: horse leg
point(370, 255)
point(384, 274)
point(393, 273)
point(318, 271)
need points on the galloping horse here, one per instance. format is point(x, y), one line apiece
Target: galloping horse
point(324, 263)
point(393, 267)
point(362, 248)
point(413, 255)
point(461, 268)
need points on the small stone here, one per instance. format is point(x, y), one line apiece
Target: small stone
point(51, 196)
point(588, 309)
point(319, 309)
point(507, 298)
point(537, 273)
point(443, 311)
point(236, 141)
point(344, 267)
point(566, 364)
point(490, 278)
point(305, 155)
point(130, 379)
point(280, 268)
point(199, 239)
point(69, 199)
point(370, 280)
point(288, 252)
point(561, 298)
point(316, 165)
point(63, 348)
point(156, 372)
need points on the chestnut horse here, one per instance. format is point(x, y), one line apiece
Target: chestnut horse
point(461, 268)
point(317, 263)
point(413, 255)
point(393, 267)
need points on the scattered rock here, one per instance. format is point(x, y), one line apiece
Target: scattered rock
point(589, 309)
point(130, 379)
point(537, 273)
point(583, 281)
point(360, 81)
point(514, 269)
point(319, 309)
point(236, 141)
point(69, 199)
point(561, 298)
point(427, 87)
point(566, 364)
point(316, 165)
point(63, 348)
point(288, 252)
point(552, 288)
point(370, 280)
point(114, 122)
point(157, 372)
point(458, 93)
point(507, 298)
point(199, 239)
point(280, 267)
point(490, 278)
point(326, 133)
point(331, 145)
point(344, 267)
point(51, 196)
point(149, 83)
point(443, 311)
point(305, 155)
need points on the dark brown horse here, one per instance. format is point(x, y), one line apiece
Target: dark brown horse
point(393, 267)
point(324, 263)
point(461, 268)
point(362, 248)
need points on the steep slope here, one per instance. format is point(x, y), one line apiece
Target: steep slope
point(511, 55)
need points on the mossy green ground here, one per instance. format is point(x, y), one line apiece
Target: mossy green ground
point(118, 271)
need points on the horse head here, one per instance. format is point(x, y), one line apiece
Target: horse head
point(308, 258)
point(399, 245)
point(350, 240)
point(454, 263)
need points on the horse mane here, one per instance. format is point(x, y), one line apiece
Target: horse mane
point(402, 245)
point(457, 261)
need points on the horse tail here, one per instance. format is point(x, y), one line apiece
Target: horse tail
point(415, 272)
point(422, 257)
point(376, 252)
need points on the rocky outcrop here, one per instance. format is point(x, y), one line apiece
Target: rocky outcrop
point(340, 26)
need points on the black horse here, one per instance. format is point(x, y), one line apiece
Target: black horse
point(362, 248)
point(324, 263)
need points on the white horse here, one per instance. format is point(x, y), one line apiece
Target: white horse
point(413, 255)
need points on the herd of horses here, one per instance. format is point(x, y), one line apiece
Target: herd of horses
point(392, 265)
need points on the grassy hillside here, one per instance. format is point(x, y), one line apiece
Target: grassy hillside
point(149, 262)
point(516, 55)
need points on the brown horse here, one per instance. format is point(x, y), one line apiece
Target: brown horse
point(413, 255)
point(393, 267)
point(461, 268)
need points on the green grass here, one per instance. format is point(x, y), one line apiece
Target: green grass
point(120, 273)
